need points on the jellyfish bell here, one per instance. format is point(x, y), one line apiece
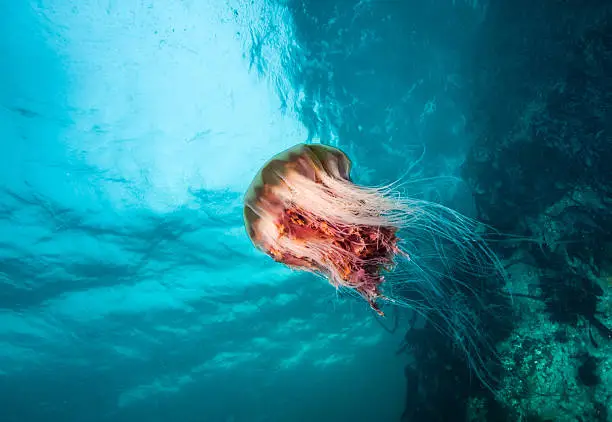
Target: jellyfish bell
point(303, 210)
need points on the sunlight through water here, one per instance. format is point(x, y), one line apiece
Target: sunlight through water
point(130, 132)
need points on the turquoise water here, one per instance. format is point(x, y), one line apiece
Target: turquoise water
point(128, 134)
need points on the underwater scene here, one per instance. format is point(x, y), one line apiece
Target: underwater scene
point(305, 211)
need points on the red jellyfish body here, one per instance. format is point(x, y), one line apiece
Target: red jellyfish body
point(303, 210)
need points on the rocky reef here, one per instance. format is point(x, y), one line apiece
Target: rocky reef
point(541, 174)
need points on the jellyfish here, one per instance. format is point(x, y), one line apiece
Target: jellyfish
point(303, 210)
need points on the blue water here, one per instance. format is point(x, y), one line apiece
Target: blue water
point(129, 132)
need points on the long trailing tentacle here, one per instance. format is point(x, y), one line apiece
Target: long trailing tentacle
point(386, 246)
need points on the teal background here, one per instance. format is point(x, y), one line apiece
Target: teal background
point(129, 132)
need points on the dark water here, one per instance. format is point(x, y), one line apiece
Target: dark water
point(130, 130)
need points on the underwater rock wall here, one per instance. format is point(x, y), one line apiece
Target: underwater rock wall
point(541, 172)
point(541, 116)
